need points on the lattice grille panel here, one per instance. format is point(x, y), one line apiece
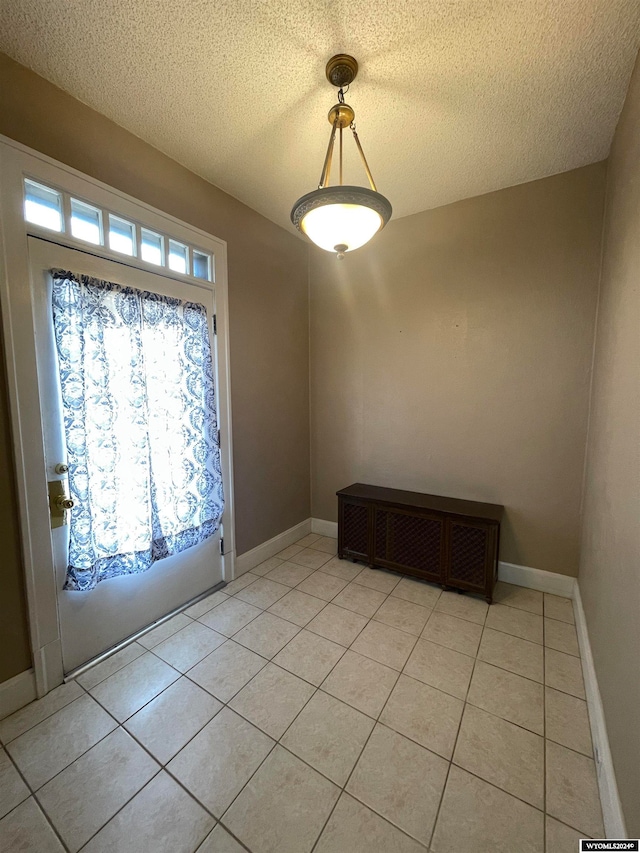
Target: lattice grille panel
point(355, 528)
point(468, 554)
point(415, 542)
point(381, 534)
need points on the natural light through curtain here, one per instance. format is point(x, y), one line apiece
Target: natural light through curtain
point(140, 422)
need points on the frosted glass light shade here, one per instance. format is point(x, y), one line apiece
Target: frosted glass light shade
point(341, 219)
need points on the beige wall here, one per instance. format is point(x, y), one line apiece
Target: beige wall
point(610, 557)
point(15, 655)
point(453, 356)
point(268, 295)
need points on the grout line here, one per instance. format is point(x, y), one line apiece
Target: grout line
point(455, 742)
point(31, 794)
point(317, 688)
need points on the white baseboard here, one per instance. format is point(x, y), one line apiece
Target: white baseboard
point(17, 692)
point(536, 579)
point(614, 824)
point(324, 528)
point(245, 562)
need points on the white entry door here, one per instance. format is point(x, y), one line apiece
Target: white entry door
point(94, 621)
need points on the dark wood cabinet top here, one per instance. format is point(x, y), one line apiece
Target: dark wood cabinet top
point(398, 497)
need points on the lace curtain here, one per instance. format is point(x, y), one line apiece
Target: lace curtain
point(140, 422)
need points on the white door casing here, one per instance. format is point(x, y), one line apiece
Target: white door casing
point(18, 302)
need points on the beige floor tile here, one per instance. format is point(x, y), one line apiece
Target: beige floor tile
point(262, 816)
point(127, 690)
point(520, 623)
point(267, 566)
point(337, 624)
point(385, 644)
point(419, 592)
point(53, 744)
point(518, 596)
point(297, 607)
point(13, 791)
point(508, 652)
point(440, 667)
point(557, 607)
point(170, 720)
point(379, 579)
point(329, 736)
point(322, 585)
point(162, 818)
point(219, 841)
point(263, 593)
point(476, 816)
point(505, 694)
point(463, 606)
point(240, 583)
point(267, 634)
point(344, 569)
point(26, 829)
point(401, 781)
point(272, 700)
point(502, 753)
point(454, 633)
point(361, 683)
point(186, 648)
point(88, 793)
point(310, 657)
point(289, 552)
point(360, 599)
point(164, 631)
point(561, 636)
point(424, 714)
point(572, 790)
point(326, 544)
point(402, 614)
point(218, 762)
point(206, 604)
point(227, 670)
point(561, 838)
point(354, 828)
point(230, 616)
point(35, 712)
point(308, 540)
point(289, 574)
point(112, 664)
point(310, 558)
point(564, 672)
point(567, 721)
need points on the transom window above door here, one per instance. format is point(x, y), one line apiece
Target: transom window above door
point(61, 212)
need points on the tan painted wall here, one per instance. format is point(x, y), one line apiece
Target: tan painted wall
point(268, 294)
point(453, 356)
point(15, 655)
point(610, 558)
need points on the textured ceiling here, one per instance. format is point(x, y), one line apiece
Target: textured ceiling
point(453, 99)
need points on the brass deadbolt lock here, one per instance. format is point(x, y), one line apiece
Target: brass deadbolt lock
point(64, 503)
point(60, 502)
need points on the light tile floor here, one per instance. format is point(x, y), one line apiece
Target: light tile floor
point(316, 705)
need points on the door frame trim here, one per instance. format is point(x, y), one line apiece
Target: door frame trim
point(16, 162)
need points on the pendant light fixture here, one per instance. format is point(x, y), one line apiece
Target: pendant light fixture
point(341, 218)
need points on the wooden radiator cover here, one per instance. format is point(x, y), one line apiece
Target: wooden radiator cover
point(444, 540)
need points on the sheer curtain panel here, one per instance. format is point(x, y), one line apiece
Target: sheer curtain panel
point(139, 409)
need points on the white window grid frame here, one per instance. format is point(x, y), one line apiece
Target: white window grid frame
point(103, 248)
point(18, 162)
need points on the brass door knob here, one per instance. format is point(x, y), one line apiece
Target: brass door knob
point(64, 503)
